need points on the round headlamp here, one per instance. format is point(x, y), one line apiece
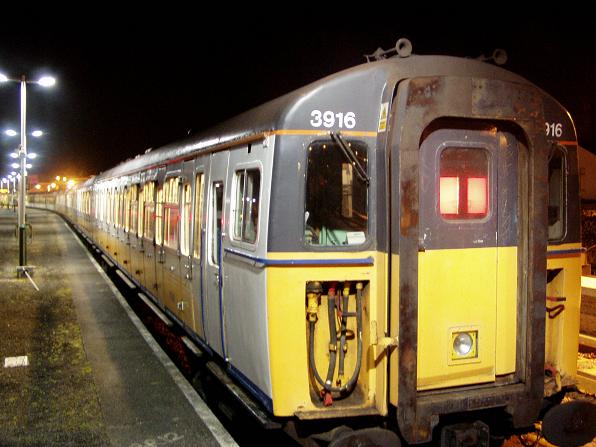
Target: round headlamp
point(462, 344)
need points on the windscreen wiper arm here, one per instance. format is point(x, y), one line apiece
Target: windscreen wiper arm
point(351, 156)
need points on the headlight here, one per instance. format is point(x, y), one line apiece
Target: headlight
point(462, 344)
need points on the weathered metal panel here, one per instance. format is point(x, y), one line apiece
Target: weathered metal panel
point(427, 100)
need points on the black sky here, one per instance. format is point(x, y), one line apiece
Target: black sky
point(126, 86)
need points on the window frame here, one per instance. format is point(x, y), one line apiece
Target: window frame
point(185, 226)
point(239, 239)
point(490, 199)
point(563, 196)
point(197, 243)
point(368, 237)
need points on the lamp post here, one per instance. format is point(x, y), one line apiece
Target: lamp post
point(45, 81)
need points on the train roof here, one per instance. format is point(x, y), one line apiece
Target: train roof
point(272, 115)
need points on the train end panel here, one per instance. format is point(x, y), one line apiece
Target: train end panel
point(469, 195)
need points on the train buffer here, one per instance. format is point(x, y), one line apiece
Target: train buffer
point(77, 368)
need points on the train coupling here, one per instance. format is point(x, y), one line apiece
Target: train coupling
point(475, 434)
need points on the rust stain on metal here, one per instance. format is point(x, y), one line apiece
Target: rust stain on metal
point(409, 212)
point(423, 91)
point(504, 100)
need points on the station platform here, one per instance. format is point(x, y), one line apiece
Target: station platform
point(78, 367)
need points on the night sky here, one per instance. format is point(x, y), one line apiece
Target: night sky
point(125, 86)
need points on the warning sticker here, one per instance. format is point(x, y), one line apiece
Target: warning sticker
point(383, 117)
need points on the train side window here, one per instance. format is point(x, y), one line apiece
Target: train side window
point(171, 212)
point(133, 209)
point(336, 208)
point(109, 207)
point(126, 208)
point(556, 194)
point(159, 216)
point(246, 209)
point(463, 183)
point(140, 211)
point(185, 220)
point(199, 185)
point(149, 215)
point(118, 209)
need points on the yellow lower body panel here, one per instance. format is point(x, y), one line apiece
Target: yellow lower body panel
point(472, 292)
point(291, 380)
point(562, 330)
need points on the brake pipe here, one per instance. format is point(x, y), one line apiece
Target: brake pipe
point(327, 384)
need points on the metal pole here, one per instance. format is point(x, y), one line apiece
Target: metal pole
point(23, 181)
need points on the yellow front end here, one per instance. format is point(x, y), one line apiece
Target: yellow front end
point(294, 391)
point(467, 316)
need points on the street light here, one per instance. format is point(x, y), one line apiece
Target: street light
point(46, 81)
point(13, 133)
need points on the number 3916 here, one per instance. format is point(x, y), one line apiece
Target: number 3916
point(331, 119)
point(554, 129)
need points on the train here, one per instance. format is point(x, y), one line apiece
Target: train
point(399, 240)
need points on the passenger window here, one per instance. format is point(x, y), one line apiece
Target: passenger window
point(132, 210)
point(159, 216)
point(336, 208)
point(463, 183)
point(126, 209)
point(149, 211)
point(171, 213)
point(199, 182)
point(185, 220)
point(246, 210)
point(556, 194)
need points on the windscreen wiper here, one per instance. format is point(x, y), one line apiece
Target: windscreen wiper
point(350, 156)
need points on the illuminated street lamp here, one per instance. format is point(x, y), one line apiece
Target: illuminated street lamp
point(46, 81)
point(13, 133)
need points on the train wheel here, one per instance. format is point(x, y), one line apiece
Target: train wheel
point(570, 424)
point(367, 437)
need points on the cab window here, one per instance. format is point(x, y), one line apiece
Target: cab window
point(336, 208)
point(556, 194)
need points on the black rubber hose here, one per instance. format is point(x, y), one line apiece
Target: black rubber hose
point(311, 353)
point(342, 338)
point(332, 330)
point(356, 373)
point(332, 341)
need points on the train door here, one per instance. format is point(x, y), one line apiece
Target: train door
point(148, 242)
point(170, 249)
point(467, 263)
point(198, 240)
point(135, 237)
point(159, 241)
point(213, 251)
point(186, 301)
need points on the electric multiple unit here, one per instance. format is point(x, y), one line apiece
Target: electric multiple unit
point(374, 243)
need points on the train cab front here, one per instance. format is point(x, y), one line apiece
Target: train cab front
point(468, 160)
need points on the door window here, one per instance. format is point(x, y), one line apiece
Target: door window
point(198, 213)
point(463, 183)
point(185, 222)
point(216, 220)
